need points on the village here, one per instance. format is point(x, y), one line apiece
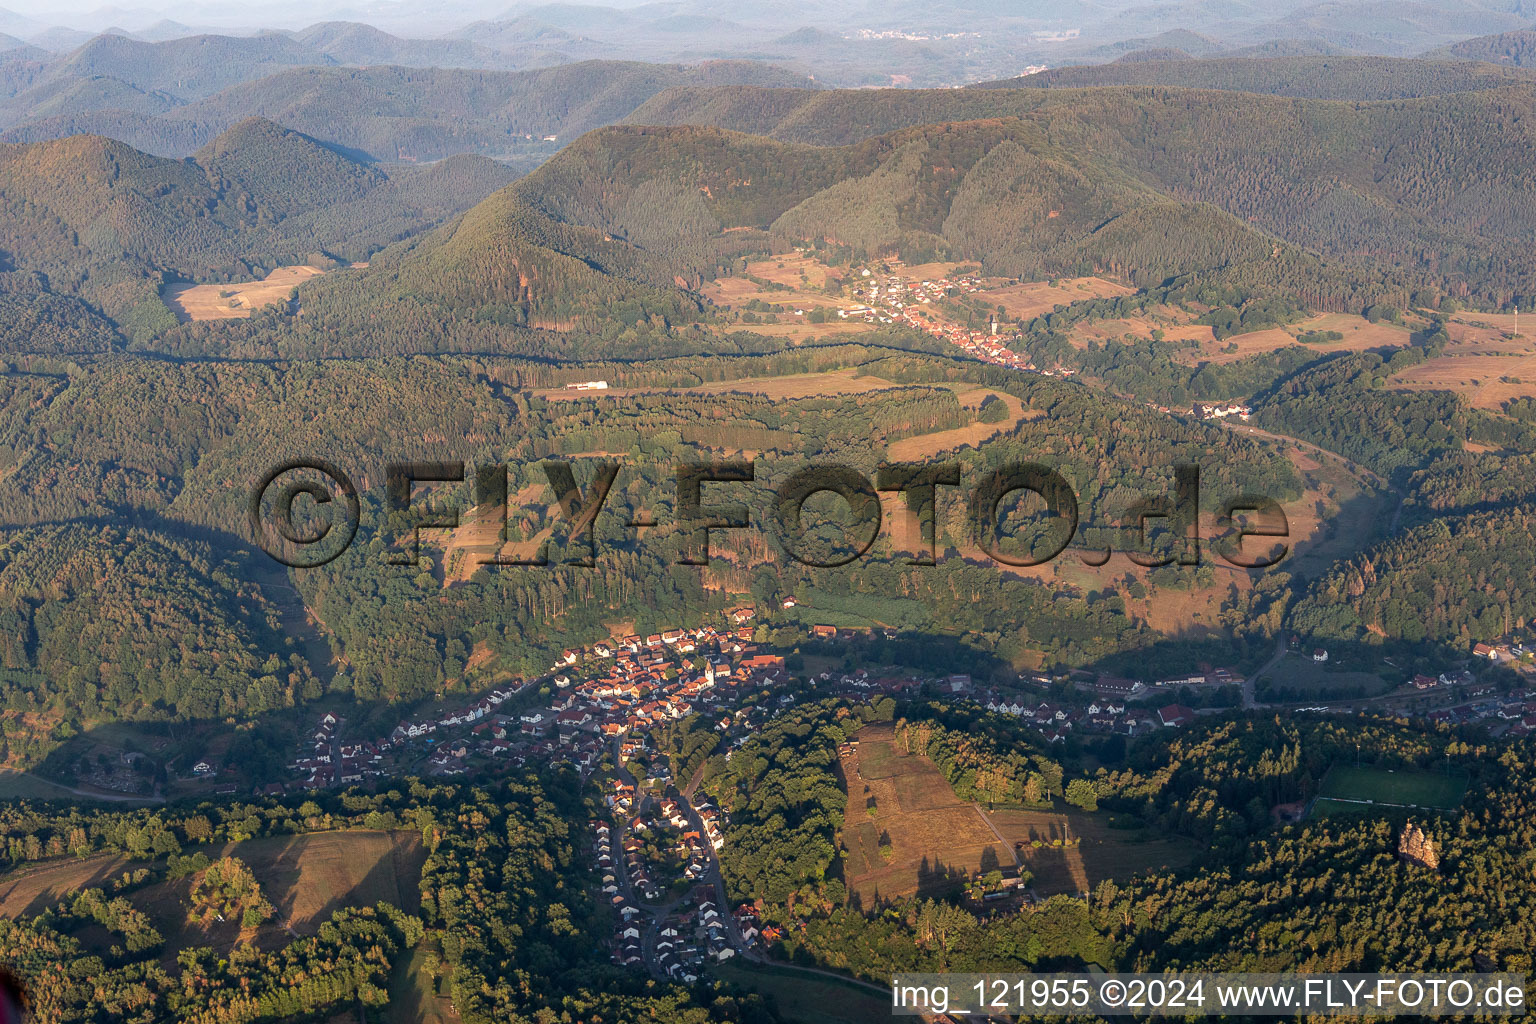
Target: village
point(655, 855)
point(893, 299)
point(604, 698)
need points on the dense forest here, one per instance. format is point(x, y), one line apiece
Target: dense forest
point(133, 586)
point(1258, 902)
point(505, 912)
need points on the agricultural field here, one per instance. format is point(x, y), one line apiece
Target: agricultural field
point(795, 385)
point(1359, 335)
point(1347, 787)
point(1031, 299)
point(972, 435)
point(1089, 850)
point(236, 300)
point(1487, 361)
point(306, 877)
point(935, 837)
point(1197, 343)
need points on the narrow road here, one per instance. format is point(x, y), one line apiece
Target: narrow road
point(1250, 701)
point(1017, 863)
point(1355, 468)
point(693, 783)
point(86, 794)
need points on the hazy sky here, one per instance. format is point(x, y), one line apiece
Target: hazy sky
point(429, 17)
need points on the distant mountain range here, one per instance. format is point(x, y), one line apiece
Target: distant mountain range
point(841, 43)
point(1314, 77)
point(381, 113)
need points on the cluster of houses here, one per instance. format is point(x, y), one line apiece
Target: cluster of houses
point(1103, 715)
point(695, 931)
point(1513, 715)
point(651, 680)
point(642, 682)
point(1501, 653)
point(1454, 677)
point(1221, 410)
point(895, 300)
point(627, 949)
point(330, 762)
point(1110, 709)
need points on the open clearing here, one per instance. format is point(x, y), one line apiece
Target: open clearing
point(1310, 680)
point(1031, 299)
point(938, 839)
point(1337, 515)
point(1347, 787)
point(971, 435)
point(1095, 852)
point(236, 300)
point(413, 994)
point(307, 878)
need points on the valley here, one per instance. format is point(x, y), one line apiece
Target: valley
point(709, 755)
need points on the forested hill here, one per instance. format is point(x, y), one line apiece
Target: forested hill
point(1512, 48)
point(1313, 77)
point(100, 219)
point(388, 113)
point(1434, 187)
point(1340, 205)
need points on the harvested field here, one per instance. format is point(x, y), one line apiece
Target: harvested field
point(799, 385)
point(935, 838)
point(1090, 850)
point(786, 270)
point(972, 435)
point(796, 385)
point(237, 300)
point(306, 877)
point(1036, 297)
point(1487, 381)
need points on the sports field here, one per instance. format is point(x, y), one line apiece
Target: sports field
point(1347, 787)
point(804, 998)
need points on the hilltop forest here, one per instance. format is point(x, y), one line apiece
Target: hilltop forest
point(1303, 275)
